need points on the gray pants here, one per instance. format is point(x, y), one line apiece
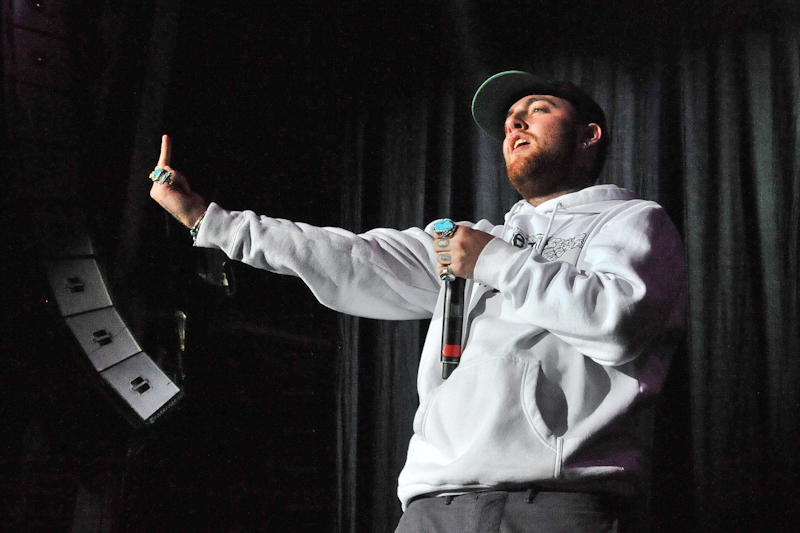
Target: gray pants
point(514, 512)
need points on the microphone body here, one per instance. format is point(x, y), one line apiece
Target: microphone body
point(452, 322)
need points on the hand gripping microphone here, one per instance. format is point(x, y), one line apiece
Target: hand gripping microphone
point(453, 314)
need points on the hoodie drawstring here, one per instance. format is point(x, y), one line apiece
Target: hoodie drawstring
point(549, 227)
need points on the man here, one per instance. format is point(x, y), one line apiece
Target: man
point(572, 310)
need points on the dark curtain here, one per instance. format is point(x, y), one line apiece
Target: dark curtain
point(708, 126)
point(739, 104)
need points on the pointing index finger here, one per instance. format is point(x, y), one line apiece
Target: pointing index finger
point(163, 160)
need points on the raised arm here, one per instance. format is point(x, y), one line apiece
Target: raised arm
point(383, 273)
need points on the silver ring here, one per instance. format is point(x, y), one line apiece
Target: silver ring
point(446, 274)
point(161, 176)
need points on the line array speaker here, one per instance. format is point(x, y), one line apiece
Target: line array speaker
point(42, 127)
point(79, 288)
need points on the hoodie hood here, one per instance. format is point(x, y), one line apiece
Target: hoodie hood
point(589, 201)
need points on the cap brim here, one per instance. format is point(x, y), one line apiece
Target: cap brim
point(494, 97)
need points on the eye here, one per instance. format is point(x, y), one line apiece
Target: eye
point(539, 110)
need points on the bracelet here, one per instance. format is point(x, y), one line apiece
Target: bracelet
point(196, 228)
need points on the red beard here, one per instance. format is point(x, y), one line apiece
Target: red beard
point(547, 170)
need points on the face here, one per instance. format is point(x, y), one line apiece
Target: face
point(540, 146)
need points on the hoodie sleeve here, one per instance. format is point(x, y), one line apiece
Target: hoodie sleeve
point(384, 273)
point(629, 289)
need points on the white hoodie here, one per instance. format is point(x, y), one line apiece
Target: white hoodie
point(570, 323)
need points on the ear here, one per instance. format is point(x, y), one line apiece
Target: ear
point(592, 134)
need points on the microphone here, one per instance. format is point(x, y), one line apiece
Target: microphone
point(452, 321)
point(453, 314)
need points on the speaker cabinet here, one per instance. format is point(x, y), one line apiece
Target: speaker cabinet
point(136, 384)
point(143, 386)
point(104, 337)
point(77, 285)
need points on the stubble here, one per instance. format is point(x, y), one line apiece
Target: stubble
point(547, 170)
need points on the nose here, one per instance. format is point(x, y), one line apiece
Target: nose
point(515, 121)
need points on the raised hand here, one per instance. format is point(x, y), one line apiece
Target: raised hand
point(175, 195)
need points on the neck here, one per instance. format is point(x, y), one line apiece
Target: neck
point(537, 200)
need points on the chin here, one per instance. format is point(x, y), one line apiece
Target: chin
point(524, 171)
point(527, 186)
point(532, 179)
point(521, 168)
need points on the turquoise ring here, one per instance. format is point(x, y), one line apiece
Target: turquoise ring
point(161, 176)
point(444, 228)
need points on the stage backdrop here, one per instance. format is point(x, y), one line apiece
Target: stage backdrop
point(704, 120)
point(703, 103)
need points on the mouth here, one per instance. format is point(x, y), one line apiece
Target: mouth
point(517, 143)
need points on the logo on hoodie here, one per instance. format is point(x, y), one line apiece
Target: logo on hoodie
point(554, 248)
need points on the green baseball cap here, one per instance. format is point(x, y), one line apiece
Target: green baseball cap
point(496, 95)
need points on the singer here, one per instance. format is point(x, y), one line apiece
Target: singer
point(571, 311)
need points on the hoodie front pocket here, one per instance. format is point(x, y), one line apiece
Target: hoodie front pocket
point(484, 414)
